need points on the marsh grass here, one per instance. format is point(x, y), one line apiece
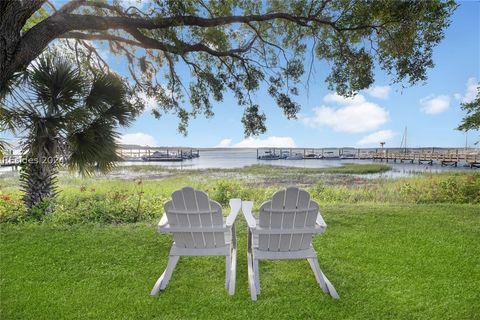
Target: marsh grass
point(102, 200)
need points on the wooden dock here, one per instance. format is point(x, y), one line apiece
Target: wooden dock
point(127, 153)
point(11, 161)
point(449, 157)
point(430, 156)
point(138, 153)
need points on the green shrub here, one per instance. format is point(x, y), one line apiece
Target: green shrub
point(12, 209)
point(119, 201)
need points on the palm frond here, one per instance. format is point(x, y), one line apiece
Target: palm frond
point(7, 120)
point(93, 148)
point(3, 147)
point(56, 83)
point(108, 97)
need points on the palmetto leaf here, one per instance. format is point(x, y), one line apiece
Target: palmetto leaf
point(108, 98)
point(3, 148)
point(93, 148)
point(8, 119)
point(56, 83)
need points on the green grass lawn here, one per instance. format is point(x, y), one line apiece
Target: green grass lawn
point(386, 261)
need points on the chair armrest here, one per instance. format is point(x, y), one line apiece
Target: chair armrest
point(162, 223)
point(320, 222)
point(247, 213)
point(235, 205)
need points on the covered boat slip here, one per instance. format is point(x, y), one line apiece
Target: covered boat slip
point(156, 154)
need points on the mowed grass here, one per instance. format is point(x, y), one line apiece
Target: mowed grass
point(386, 261)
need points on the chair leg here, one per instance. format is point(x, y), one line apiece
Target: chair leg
point(162, 282)
point(256, 274)
point(231, 264)
point(233, 273)
point(228, 269)
point(251, 276)
point(312, 265)
point(322, 280)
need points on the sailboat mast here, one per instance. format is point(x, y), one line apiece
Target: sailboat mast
point(405, 139)
point(403, 143)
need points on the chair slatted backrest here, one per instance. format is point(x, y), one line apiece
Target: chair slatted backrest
point(193, 208)
point(289, 209)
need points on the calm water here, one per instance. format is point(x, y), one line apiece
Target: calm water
point(238, 158)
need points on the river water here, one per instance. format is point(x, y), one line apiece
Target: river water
point(238, 158)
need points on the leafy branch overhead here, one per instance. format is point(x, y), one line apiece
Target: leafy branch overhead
point(187, 54)
point(471, 121)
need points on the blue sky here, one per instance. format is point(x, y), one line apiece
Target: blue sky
point(430, 111)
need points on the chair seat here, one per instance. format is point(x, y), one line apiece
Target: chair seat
point(219, 251)
point(284, 255)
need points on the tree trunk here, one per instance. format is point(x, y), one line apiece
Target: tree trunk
point(13, 15)
point(38, 181)
point(38, 175)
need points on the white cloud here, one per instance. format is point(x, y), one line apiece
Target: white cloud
point(380, 92)
point(470, 91)
point(376, 137)
point(133, 3)
point(149, 102)
point(355, 115)
point(225, 143)
point(336, 98)
point(274, 142)
point(435, 104)
point(138, 138)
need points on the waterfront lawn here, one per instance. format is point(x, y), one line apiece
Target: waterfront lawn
point(387, 262)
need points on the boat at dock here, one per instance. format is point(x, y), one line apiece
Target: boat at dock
point(132, 159)
point(164, 157)
point(297, 156)
point(312, 156)
point(269, 156)
point(348, 155)
point(134, 153)
point(330, 155)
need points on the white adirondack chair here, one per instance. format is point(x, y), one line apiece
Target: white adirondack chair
point(284, 230)
point(199, 229)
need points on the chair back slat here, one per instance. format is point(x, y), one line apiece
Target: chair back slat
point(191, 205)
point(289, 209)
point(206, 218)
point(193, 208)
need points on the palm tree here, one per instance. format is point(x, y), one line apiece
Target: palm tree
point(3, 148)
point(64, 116)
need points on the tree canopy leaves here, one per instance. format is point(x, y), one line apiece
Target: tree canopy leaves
point(472, 119)
point(187, 54)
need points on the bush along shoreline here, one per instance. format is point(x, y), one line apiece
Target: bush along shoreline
point(104, 201)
